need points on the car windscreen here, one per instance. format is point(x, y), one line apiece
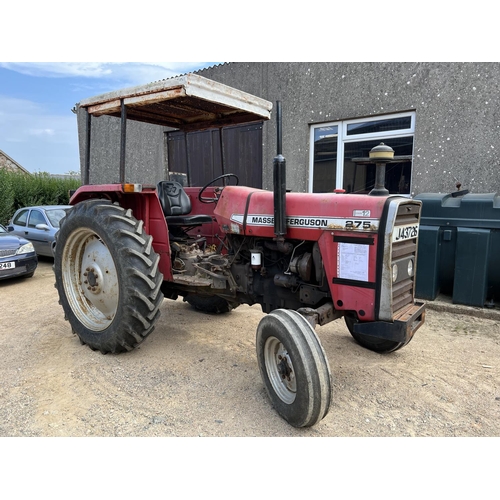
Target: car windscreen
point(55, 216)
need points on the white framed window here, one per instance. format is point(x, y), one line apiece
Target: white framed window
point(339, 153)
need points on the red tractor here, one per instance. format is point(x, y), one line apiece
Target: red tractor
point(307, 259)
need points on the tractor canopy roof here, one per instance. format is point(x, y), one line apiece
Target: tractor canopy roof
point(187, 102)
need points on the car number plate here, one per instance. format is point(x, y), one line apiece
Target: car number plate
point(7, 265)
point(406, 232)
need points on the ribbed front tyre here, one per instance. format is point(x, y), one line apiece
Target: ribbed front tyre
point(107, 276)
point(294, 367)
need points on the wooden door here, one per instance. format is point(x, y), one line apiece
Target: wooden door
point(202, 156)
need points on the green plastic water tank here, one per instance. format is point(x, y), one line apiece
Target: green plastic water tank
point(459, 248)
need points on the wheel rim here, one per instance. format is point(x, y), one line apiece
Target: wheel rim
point(90, 279)
point(280, 370)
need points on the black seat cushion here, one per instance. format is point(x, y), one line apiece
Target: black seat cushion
point(173, 198)
point(176, 205)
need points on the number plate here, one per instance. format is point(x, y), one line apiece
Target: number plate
point(7, 265)
point(406, 232)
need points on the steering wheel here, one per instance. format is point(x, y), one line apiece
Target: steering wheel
point(217, 193)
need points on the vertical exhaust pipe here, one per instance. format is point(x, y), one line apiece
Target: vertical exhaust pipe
point(279, 182)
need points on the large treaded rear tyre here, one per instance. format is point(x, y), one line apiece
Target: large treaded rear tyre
point(107, 276)
point(294, 367)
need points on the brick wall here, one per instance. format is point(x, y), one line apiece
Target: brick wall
point(7, 163)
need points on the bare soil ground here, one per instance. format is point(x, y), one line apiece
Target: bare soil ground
point(197, 375)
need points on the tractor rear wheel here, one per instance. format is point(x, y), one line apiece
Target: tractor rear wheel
point(294, 367)
point(374, 344)
point(107, 276)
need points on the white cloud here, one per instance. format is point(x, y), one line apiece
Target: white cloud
point(21, 120)
point(88, 70)
point(36, 137)
point(129, 73)
point(41, 131)
point(13, 106)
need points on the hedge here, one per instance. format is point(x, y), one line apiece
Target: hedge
point(19, 190)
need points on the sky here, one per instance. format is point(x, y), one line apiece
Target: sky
point(39, 85)
point(37, 127)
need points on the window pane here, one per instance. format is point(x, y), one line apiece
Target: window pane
point(321, 133)
point(36, 218)
point(20, 220)
point(359, 173)
point(375, 126)
point(325, 159)
point(55, 216)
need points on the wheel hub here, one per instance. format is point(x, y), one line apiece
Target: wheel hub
point(280, 370)
point(90, 279)
point(93, 279)
point(98, 283)
point(283, 367)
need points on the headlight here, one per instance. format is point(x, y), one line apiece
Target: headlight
point(394, 273)
point(410, 268)
point(27, 248)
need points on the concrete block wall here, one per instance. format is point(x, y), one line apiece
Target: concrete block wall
point(457, 109)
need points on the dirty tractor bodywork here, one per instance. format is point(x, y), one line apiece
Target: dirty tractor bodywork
point(305, 258)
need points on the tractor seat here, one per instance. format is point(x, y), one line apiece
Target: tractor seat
point(176, 205)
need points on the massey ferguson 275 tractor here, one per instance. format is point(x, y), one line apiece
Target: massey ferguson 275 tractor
point(306, 258)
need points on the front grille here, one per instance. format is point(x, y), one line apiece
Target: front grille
point(9, 252)
point(403, 290)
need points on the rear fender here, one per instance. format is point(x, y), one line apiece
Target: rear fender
point(145, 206)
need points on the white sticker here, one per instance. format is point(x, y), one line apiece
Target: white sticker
point(352, 261)
point(361, 213)
point(310, 222)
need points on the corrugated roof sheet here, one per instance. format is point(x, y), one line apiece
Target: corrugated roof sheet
point(186, 102)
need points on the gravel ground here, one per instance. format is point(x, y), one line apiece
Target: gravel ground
point(197, 375)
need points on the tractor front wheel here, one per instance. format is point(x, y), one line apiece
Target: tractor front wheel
point(294, 367)
point(107, 276)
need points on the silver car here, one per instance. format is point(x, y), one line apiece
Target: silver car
point(38, 225)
